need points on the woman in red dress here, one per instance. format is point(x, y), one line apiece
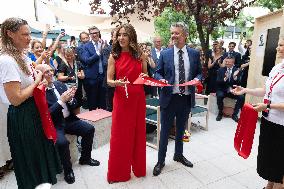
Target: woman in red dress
point(128, 132)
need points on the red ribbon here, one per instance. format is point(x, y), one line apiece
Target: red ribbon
point(245, 131)
point(145, 80)
point(42, 106)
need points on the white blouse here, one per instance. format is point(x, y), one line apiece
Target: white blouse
point(277, 94)
point(10, 71)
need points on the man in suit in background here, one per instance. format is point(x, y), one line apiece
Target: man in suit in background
point(155, 54)
point(92, 60)
point(109, 90)
point(177, 65)
point(84, 38)
point(227, 77)
point(232, 53)
point(61, 102)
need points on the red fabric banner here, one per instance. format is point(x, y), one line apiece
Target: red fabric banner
point(245, 131)
point(42, 106)
point(150, 81)
point(153, 82)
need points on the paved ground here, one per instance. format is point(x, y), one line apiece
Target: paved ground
point(216, 165)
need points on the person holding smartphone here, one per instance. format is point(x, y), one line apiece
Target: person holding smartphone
point(270, 165)
point(71, 73)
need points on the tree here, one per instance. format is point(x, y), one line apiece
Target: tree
point(272, 5)
point(207, 14)
point(245, 23)
point(169, 16)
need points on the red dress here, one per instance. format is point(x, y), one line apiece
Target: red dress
point(128, 132)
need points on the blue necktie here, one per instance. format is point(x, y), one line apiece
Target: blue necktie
point(100, 63)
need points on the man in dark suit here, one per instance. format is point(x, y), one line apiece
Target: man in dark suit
point(177, 65)
point(227, 77)
point(109, 90)
point(233, 53)
point(84, 38)
point(92, 60)
point(61, 103)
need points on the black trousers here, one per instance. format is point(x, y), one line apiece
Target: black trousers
point(78, 128)
point(222, 94)
point(95, 92)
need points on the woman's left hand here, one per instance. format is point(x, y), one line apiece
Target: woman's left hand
point(259, 107)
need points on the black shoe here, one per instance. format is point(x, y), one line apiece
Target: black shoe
point(69, 177)
point(235, 118)
point(183, 160)
point(158, 168)
point(219, 117)
point(90, 162)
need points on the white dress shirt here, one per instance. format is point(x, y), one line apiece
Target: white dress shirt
point(277, 95)
point(65, 110)
point(98, 47)
point(186, 69)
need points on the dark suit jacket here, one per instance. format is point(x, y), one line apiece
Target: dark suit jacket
point(238, 58)
point(55, 108)
point(154, 55)
point(79, 52)
point(90, 60)
point(106, 53)
point(221, 84)
point(166, 70)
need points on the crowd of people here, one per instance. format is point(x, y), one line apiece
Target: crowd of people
point(98, 74)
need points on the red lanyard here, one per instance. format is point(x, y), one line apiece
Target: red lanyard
point(274, 83)
point(32, 69)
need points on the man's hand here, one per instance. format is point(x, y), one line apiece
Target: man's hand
point(164, 81)
point(67, 95)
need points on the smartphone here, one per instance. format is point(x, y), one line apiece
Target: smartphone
point(62, 31)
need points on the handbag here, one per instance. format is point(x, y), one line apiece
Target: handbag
point(42, 106)
point(245, 130)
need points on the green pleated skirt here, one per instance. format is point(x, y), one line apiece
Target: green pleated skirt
point(35, 158)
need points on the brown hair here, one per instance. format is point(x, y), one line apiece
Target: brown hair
point(134, 49)
point(34, 41)
point(8, 47)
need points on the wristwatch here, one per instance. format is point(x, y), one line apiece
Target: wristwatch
point(268, 106)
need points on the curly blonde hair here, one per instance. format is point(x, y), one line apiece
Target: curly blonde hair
point(8, 47)
point(133, 45)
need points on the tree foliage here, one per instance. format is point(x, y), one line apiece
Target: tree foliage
point(272, 5)
point(169, 16)
point(245, 23)
point(207, 14)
